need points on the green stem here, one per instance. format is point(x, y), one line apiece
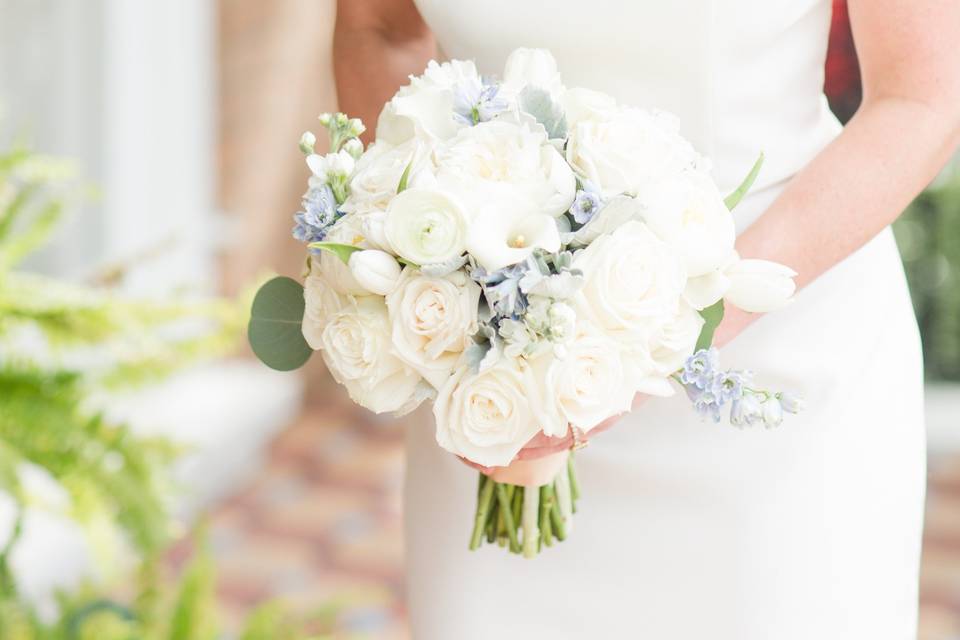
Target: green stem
point(531, 534)
point(556, 518)
point(492, 517)
point(574, 485)
point(483, 508)
point(546, 531)
point(507, 514)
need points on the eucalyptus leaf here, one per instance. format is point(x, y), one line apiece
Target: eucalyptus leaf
point(737, 195)
point(541, 105)
point(712, 316)
point(275, 325)
point(441, 269)
point(342, 251)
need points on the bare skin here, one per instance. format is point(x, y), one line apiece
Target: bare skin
point(906, 129)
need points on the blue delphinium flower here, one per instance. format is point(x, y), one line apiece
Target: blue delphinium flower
point(318, 215)
point(476, 100)
point(587, 202)
point(729, 384)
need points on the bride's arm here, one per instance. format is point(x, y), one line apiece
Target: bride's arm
point(376, 45)
point(905, 130)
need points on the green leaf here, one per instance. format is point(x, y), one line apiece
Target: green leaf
point(737, 195)
point(275, 318)
point(540, 104)
point(342, 251)
point(405, 177)
point(712, 316)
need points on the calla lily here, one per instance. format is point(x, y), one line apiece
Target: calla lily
point(506, 233)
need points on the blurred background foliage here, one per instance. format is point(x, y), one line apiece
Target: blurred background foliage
point(64, 346)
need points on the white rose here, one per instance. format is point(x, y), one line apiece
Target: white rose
point(424, 108)
point(347, 230)
point(633, 282)
point(500, 154)
point(531, 67)
point(586, 104)
point(591, 382)
point(432, 320)
point(488, 416)
point(426, 227)
point(676, 340)
point(507, 230)
point(628, 150)
point(321, 302)
point(378, 172)
point(374, 270)
point(355, 344)
point(759, 286)
point(687, 212)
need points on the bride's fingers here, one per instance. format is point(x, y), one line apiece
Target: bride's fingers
point(479, 467)
point(559, 444)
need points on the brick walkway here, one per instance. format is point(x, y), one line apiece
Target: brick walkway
point(321, 525)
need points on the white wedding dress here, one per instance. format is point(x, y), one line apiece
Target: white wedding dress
point(690, 530)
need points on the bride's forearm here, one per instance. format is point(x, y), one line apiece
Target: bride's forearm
point(851, 191)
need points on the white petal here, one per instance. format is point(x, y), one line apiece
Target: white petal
point(703, 291)
point(759, 286)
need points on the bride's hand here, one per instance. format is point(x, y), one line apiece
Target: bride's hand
point(542, 445)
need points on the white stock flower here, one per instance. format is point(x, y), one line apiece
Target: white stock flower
point(432, 321)
point(425, 226)
point(676, 340)
point(374, 270)
point(507, 231)
point(687, 212)
point(531, 68)
point(505, 155)
point(632, 286)
point(628, 150)
point(759, 286)
point(488, 416)
point(591, 382)
point(378, 172)
point(355, 345)
point(332, 165)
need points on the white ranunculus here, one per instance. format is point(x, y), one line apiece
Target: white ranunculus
point(355, 344)
point(633, 282)
point(507, 231)
point(425, 226)
point(688, 213)
point(347, 230)
point(533, 68)
point(587, 104)
point(501, 155)
point(628, 150)
point(488, 416)
point(591, 382)
point(321, 302)
point(432, 321)
point(378, 172)
point(676, 340)
point(759, 286)
point(375, 270)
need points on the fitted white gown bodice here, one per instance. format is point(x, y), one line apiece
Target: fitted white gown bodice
point(688, 529)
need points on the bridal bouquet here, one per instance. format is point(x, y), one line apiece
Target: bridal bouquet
point(527, 256)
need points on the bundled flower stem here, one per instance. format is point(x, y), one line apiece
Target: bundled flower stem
point(525, 519)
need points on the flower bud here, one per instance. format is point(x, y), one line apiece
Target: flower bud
point(307, 140)
point(375, 270)
point(355, 126)
point(325, 119)
point(791, 403)
point(759, 286)
point(745, 411)
point(772, 413)
point(354, 147)
point(341, 119)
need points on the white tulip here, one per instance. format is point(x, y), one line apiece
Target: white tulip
point(531, 67)
point(703, 291)
point(426, 227)
point(376, 271)
point(759, 286)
